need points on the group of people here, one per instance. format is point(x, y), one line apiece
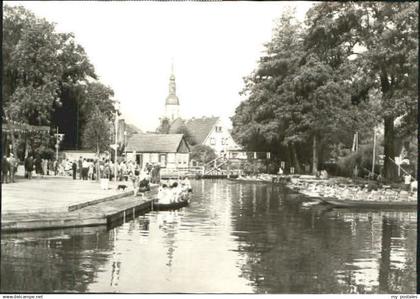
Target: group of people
point(174, 191)
point(41, 166)
point(86, 168)
point(89, 169)
point(32, 164)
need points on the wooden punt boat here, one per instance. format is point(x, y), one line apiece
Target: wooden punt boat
point(266, 181)
point(173, 205)
point(249, 181)
point(346, 203)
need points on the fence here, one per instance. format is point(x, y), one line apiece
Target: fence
point(185, 171)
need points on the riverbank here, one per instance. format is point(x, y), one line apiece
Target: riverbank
point(340, 191)
point(56, 202)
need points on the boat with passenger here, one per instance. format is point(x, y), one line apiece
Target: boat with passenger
point(159, 206)
point(173, 195)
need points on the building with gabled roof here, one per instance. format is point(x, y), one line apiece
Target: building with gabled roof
point(210, 131)
point(169, 150)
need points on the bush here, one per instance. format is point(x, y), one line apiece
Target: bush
point(202, 154)
point(361, 158)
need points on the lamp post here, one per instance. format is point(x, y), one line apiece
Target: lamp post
point(117, 107)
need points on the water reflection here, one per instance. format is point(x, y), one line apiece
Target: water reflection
point(232, 238)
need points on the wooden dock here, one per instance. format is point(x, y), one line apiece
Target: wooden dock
point(103, 213)
point(105, 208)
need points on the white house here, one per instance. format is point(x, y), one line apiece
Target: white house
point(210, 131)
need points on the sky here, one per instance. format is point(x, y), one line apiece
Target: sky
point(131, 44)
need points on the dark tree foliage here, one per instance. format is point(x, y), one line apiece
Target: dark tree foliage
point(351, 66)
point(381, 38)
point(45, 72)
point(202, 153)
point(164, 126)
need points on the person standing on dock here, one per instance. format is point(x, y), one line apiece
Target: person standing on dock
point(29, 167)
point(55, 167)
point(38, 166)
point(407, 182)
point(85, 169)
point(74, 169)
point(13, 166)
point(44, 166)
point(90, 171)
point(80, 167)
point(5, 168)
point(134, 174)
point(50, 167)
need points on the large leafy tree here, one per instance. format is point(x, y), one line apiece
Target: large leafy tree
point(48, 79)
point(297, 100)
point(351, 66)
point(40, 66)
point(31, 66)
point(258, 123)
point(381, 38)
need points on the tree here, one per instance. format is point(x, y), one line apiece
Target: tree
point(48, 79)
point(164, 126)
point(96, 135)
point(381, 39)
point(202, 153)
point(258, 123)
point(31, 66)
point(187, 135)
point(95, 98)
point(40, 66)
point(295, 99)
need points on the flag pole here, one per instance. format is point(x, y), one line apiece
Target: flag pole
point(374, 152)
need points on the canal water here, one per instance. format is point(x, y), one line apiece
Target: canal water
point(233, 238)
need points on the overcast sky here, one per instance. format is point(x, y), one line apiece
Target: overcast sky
point(131, 44)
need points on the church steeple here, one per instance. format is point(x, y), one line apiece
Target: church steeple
point(172, 86)
point(172, 101)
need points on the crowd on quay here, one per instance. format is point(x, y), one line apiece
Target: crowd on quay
point(32, 165)
point(83, 169)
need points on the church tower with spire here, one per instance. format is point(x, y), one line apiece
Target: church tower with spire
point(172, 101)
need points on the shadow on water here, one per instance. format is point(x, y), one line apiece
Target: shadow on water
point(232, 238)
point(52, 261)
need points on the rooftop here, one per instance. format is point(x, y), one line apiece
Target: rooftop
point(199, 128)
point(155, 143)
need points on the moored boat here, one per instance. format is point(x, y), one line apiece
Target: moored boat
point(249, 180)
point(347, 203)
point(266, 179)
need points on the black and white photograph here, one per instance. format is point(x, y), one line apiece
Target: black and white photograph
point(208, 147)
